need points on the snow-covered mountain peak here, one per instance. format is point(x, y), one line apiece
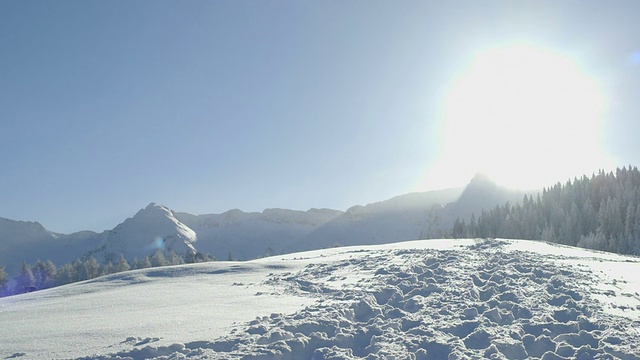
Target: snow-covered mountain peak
point(151, 228)
point(154, 209)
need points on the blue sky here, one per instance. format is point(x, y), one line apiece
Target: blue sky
point(205, 106)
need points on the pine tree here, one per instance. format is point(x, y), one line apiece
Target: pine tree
point(50, 274)
point(39, 274)
point(66, 275)
point(174, 259)
point(628, 238)
point(4, 278)
point(189, 257)
point(144, 263)
point(122, 264)
point(635, 244)
point(459, 229)
point(600, 212)
point(26, 281)
point(79, 273)
point(107, 269)
point(472, 228)
point(90, 268)
point(548, 234)
point(204, 257)
point(158, 259)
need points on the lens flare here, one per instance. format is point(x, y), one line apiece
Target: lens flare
point(158, 243)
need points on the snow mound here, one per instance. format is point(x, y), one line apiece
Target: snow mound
point(435, 305)
point(441, 299)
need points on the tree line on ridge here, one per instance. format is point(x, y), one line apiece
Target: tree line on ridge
point(601, 212)
point(44, 275)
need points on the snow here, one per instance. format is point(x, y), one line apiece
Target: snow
point(153, 227)
point(426, 299)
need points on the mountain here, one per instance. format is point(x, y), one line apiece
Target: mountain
point(412, 216)
point(406, 217)
point(481, 193)
point(151, 228)
point(29, 241)
point(242, 236)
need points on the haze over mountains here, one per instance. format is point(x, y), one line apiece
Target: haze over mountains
point(240, 236)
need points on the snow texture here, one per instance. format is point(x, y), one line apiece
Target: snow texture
point(437, 299)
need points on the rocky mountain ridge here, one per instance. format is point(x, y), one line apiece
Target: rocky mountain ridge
point(241, 236)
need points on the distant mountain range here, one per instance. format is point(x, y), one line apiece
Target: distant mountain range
point(241, 236)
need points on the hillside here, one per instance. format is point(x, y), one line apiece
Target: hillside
point(423, 299)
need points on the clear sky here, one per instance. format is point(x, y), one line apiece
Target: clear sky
point(205, 106)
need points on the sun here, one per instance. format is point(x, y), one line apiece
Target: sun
point(525, 116)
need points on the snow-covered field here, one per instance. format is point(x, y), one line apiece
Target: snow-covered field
point(429, 299)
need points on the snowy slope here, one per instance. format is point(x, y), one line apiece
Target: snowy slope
point(422, 299)
point(151, 228)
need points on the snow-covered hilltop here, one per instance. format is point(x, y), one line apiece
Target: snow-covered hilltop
point(242, 236)
point(435, 299)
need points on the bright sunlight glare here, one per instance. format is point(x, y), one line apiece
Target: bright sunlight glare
point(525, 116)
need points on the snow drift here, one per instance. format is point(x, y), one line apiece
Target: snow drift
point(415, 300)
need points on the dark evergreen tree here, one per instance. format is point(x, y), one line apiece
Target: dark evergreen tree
point(26, 280)
point(90, 269)
point(601, 212)
point(122, 264)
point(66, 275)
point(158, 259)
point(144, 263)
point(174, 259)
point(107, 269)
point(38, 274)
point(49, 274)
point(45, 274)
point(4, 278)
point(79, 273)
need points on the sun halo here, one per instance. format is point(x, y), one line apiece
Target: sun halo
point(525, 116)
